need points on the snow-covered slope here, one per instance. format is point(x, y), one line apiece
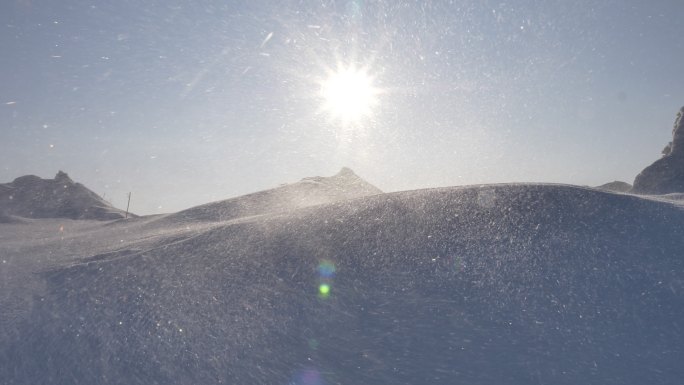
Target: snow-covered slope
point(32, 197)
point(307, 192)
point(502, 284)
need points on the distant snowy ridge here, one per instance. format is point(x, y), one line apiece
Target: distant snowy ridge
point(30, 196)
point(307, 192)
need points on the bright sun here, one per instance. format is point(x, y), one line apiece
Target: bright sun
point(348, 94)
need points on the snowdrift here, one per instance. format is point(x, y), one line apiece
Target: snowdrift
point(514, 284)
point(307, 192)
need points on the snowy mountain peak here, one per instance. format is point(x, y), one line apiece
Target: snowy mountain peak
point(346, 182)
point(346, 172)
point(30, 196)
point(63, 177)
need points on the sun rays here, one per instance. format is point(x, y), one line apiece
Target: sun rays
point(348, 94)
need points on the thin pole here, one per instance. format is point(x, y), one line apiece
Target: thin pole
point(128, 204)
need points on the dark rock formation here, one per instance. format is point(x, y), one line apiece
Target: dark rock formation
point(32, 197)
point(665, 175)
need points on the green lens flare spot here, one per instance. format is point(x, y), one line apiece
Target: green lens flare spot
point(324, 290)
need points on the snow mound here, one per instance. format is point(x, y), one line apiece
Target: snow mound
point(616, 186)
point(32, 197)
point(515, 284)
point(307, 192)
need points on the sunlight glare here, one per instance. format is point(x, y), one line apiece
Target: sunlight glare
point(348, 94)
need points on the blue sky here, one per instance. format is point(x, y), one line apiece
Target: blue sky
point(187, 102)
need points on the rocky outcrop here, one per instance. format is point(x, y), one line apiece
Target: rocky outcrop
point(30, 196)
point(665, 175)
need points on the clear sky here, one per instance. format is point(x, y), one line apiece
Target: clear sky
point(186, 102)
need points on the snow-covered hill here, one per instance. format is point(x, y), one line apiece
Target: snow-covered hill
point(32, 197)
point(617, 186)
point(514, 284)
point(307, 192)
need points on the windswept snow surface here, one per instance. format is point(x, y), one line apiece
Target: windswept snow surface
point(307, 192)
point(500, 284)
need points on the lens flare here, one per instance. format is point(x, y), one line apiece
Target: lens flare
point(326, 272)
point(324, 290)
point(308, 377)
point(326, 269)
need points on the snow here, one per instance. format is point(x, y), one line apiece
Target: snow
point(511, 283)
point(307, 192)
point(32, 197)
